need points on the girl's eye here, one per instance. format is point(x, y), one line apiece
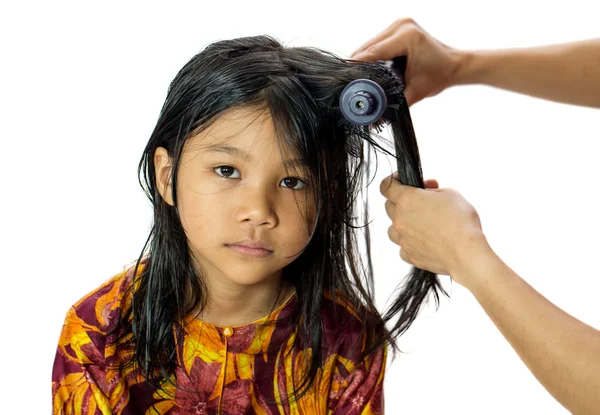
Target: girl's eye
point(227, 172)
point(293, 183)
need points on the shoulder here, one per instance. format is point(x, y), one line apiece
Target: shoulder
point(101, 307)
point(350, 327)
point(96, 315)
point(89, 346)
point(356, 378)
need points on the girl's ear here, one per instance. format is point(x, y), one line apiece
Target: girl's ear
point(162, 167)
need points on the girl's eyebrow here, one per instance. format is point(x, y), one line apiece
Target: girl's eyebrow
point(236, 152)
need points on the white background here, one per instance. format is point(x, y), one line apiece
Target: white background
point(81, 87)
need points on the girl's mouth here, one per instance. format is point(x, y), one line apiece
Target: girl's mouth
point(253, 252)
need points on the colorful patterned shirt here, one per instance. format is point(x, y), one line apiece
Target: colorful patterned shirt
point(220, 370)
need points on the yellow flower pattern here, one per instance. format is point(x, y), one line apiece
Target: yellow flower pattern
point(250, 369)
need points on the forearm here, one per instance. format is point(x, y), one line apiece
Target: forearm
point(562, 352)
point(568, 72)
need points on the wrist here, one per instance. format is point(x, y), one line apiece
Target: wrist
point(472, 261)
point(468, 66)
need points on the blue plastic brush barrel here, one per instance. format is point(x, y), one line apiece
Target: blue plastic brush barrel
point(363, 101)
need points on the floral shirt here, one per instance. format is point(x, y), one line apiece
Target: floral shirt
point(220, 370)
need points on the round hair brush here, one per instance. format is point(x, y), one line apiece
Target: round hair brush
point(363, 101)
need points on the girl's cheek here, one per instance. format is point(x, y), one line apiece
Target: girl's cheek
point(208, 183)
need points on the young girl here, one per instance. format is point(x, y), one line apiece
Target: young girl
point(250, 296)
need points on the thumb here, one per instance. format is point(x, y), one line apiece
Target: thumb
point(431, 184)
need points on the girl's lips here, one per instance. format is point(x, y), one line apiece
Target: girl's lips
point(254, 252)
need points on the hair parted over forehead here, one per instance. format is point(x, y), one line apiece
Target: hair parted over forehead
point(300, 88)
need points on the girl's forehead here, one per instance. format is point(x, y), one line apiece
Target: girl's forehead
point(245, 129)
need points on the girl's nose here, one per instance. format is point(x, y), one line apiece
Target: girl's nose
point(256, 205)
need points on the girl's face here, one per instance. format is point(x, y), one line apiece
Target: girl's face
point(233, 190)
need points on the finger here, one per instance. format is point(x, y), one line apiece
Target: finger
point(392, 177)
point(386, 49)
point(431, 184)
point(388, 31)
point(405, 257)
point(393, 235)
point(365, 56)
point(389, 208)
point(385, 185)
point(392, 189)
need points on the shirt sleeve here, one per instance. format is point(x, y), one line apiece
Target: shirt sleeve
point(78, 375)
point(360, 390)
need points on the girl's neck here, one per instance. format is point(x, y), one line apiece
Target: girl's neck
point(227, 309)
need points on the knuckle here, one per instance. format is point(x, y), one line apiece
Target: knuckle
point(405, 257)
point(403, 21)
point(388, 207)
point(475, 216)
point(385, 184)
point(413, 32)
point(373, 49)
point(473, 213)
point(398, 225)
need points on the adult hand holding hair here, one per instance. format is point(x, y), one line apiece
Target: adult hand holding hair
point(439, 220)
point(565, 72)
point(439, 231)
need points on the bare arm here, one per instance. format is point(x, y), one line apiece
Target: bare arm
point(438, 230)
point(568, 72)
point(562, 352)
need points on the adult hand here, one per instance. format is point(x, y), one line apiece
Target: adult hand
point(437, 229)
point(431, 65)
